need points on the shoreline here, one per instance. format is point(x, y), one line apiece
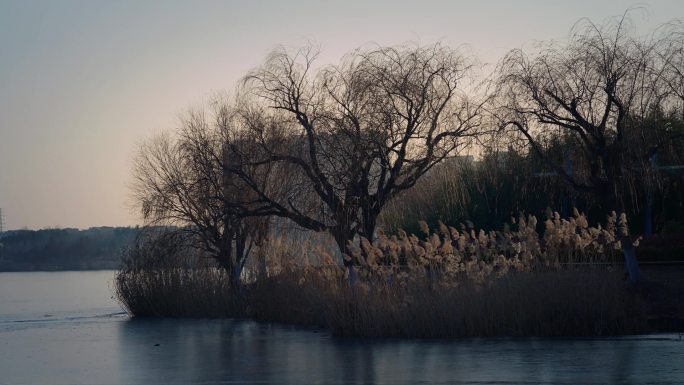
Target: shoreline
point(521, 306)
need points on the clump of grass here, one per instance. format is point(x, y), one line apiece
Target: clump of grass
point(581, 302)
point(296, 296)
point(179, 292)
point(163, 276)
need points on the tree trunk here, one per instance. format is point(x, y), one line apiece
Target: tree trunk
point(224, 256)
point(229, 259)
point(342, 238)
point(233, 269)
point(612, 203)
point(240, 245)
point(629, 251)
point(369, 223)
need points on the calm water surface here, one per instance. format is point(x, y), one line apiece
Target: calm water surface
point(64, 328)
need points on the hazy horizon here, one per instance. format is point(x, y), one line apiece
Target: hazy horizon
point(82, 83)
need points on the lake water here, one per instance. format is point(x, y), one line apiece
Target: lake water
point(65, 328)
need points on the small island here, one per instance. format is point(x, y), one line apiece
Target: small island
point(403, 193)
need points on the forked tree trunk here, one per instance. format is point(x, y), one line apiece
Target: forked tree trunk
point(612, 203)
point(229, 261)
point(629, 252)
point(343, 238)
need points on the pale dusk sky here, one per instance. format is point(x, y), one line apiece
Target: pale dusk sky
point(83, 82)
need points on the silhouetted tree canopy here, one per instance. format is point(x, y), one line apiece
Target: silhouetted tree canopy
point(606, 92)
point(356, 134)
point(180, 181)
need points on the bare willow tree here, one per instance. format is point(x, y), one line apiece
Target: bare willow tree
point(180, 182)
point(354, 135)
point(600, 92)
point(673, 57)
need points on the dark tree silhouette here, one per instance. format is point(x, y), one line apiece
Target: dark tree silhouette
point(179, 181)
point(602, 91)
point(352, 136)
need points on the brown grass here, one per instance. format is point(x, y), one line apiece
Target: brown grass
point(586, 302)
point(450, 284)
point(179, 292)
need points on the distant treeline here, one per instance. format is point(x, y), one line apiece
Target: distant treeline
point(64, 249)
point(495, 190)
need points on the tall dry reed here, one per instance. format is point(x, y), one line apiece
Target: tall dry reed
point(178, 292)
point(449, 283)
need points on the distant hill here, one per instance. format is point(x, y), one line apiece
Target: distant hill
point(64, 249)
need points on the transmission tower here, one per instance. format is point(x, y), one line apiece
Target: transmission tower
point(2, 228)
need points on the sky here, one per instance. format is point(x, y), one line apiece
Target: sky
point(83, 83)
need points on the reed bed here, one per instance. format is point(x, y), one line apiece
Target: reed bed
point(544, 303)
point(448, 284)
point(179, 292)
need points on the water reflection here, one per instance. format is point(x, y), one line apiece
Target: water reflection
point(212, 352)
point(83, 341)
point(117, 350)
point(206, 351)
